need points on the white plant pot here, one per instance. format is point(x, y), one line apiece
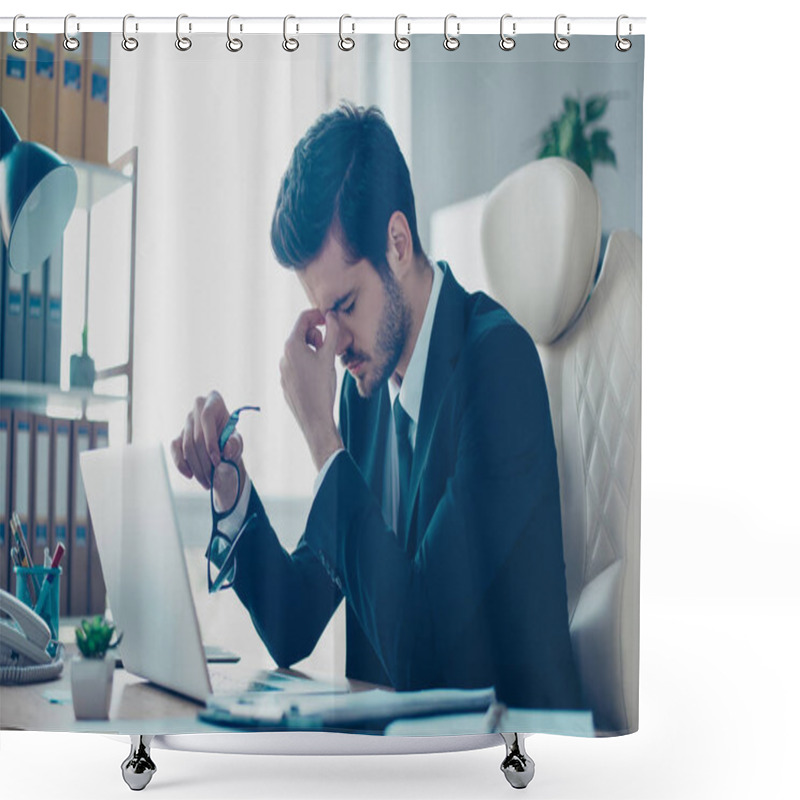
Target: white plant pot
point(92, 681)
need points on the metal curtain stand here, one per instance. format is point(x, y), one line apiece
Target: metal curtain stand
point(138, 768)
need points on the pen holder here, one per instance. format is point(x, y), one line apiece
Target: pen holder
point(47, 607)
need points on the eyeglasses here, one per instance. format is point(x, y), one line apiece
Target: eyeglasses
point(225, 490)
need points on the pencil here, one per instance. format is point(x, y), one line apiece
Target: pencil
point(24, 554)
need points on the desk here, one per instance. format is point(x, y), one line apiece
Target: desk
point(140, 707)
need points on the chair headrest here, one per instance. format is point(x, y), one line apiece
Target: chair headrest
point(540, 234)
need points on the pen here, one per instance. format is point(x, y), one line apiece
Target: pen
point(49, 582)
point(47, 560)
point(56, 560)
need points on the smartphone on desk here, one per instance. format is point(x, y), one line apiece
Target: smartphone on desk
point(24, 635)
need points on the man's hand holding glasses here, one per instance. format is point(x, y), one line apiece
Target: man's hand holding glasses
point(210, 450)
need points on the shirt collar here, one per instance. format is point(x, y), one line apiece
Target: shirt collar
point(411, 390)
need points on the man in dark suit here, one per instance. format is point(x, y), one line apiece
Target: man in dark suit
point(436, 513)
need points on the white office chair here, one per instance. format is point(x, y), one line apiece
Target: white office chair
point(541, 239)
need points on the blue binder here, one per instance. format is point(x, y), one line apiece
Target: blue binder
point(52, 324)
point(13, 321)
point(34, 326)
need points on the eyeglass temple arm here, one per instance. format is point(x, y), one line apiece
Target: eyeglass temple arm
point(230, 425)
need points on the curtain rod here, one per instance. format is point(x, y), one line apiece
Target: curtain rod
point(461, 26)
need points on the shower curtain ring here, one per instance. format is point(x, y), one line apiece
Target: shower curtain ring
point(401, 42)
point(129, 43)
point(183, 43)
point(451, 42)
point(623, 45)
point(20, 43)
point(234, 45)
point(345, 42)
point(71, 43)
point(289, 44)
point(507, 42)
point(561, 44)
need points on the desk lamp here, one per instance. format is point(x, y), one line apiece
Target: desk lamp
point(38, 190)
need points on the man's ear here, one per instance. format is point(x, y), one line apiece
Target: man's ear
point(399, 247)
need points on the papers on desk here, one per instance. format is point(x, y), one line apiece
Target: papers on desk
point(271, 681)
point(371, 710)
point(517, 720)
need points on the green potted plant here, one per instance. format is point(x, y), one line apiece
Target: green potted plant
point(81, 365)
point(93, 670)
point(574, 134)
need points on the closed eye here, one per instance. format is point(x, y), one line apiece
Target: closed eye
point(349, 309)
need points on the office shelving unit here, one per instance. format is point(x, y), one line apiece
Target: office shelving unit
point(95, 182)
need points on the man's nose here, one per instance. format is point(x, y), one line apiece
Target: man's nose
point(345, 339)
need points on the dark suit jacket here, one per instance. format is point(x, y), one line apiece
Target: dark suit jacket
point(472, 593)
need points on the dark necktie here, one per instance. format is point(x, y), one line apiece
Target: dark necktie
point(404, 456)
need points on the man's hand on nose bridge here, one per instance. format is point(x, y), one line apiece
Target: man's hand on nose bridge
point(308, 378)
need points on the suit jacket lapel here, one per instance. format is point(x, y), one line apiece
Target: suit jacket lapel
point(447, 337)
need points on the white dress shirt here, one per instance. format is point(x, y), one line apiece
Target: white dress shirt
point(410, 393)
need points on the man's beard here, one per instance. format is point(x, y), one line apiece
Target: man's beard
point(392, 336)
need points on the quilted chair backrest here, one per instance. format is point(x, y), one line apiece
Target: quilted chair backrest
point(591, 356)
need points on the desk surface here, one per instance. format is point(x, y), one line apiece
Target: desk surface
point(140, 707)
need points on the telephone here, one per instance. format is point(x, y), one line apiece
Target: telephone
point(24, 635)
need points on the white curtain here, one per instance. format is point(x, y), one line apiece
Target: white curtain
point(215, 131)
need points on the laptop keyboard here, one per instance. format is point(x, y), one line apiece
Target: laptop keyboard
point(223, 683)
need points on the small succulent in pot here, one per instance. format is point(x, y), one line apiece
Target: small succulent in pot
point(93, 675)
point(94, 637)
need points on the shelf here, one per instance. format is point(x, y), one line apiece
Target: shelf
point(96, 182)
point(21, 392)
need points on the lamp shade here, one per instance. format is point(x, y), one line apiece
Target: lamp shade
point(38, 190)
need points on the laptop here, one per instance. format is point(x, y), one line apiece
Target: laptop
point(141, 553)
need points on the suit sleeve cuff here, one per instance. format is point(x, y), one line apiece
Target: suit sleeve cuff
point(324, 471)
point(232, 524)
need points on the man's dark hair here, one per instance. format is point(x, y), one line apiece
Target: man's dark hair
point(347, 175)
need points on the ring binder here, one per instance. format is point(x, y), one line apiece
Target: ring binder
point(507, 42)
point(289, 44)
point(561, 43)
point(451, 42)
point(401, 43)
point(183, 43)
point(346, 43)
point(129, 43)
point(71, 43)
point(233, 45)
point(19, 43)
